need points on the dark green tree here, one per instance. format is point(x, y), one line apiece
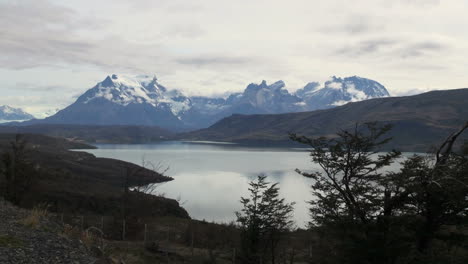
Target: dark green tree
point(437, 197)
point(414, 215)
point(17, 171)
point(346, 186)
point(263, 219)
point(349, 199)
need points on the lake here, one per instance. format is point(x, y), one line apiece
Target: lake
point(210, 178)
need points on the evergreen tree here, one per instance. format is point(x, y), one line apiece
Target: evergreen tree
point(264, 218)
point(436, 188)
point(365, 216)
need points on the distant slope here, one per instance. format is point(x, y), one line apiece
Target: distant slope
point(419, 121)
point(93, 133)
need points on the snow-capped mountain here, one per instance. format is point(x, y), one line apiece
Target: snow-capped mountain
point(256, 99)
point(124, 100)
point(141, 100)
point(275, 98)
point(338, 91)
point(142, 89)
point(8, 114)
point(264, 98)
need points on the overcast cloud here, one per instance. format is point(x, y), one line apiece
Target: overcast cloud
point(51, 50)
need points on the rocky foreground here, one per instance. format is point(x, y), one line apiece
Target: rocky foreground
point(27, 238)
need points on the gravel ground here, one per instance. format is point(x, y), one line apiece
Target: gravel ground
point(22, 244)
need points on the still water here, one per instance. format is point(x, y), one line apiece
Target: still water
point(210, 178)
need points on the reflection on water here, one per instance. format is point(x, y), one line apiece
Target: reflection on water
point(211, 178)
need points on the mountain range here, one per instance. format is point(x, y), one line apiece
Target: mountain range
point(418, 121)
point(142, 100)
point(8, 114)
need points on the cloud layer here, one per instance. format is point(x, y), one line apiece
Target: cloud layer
point(211, 46)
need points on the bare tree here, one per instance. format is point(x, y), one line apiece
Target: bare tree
point(151, 187)
point(133, 181)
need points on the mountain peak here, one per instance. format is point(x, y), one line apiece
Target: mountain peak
point(309, 88)
point(128, 80)
point(108, 81)
point(8, 113)
point(138, 90)
point(274, 86)
point(277, 85)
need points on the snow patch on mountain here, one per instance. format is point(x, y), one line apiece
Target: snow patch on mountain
point(334, 85)
point(355, 95)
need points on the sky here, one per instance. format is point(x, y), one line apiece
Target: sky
point(52, 51)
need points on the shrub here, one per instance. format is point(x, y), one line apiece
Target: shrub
point(35, 216)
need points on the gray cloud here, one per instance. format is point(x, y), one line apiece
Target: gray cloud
point(189, 31)
point(367, 47)
point(37, 88)
point(32, 87)
point(213, 61)
point(355, 25)
point(424, 67)
point(38, 34)
point(422, 49)
point(417, 3)
point(49, 37)
point(173, 6)
point(359, 26)
point(401, 48)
